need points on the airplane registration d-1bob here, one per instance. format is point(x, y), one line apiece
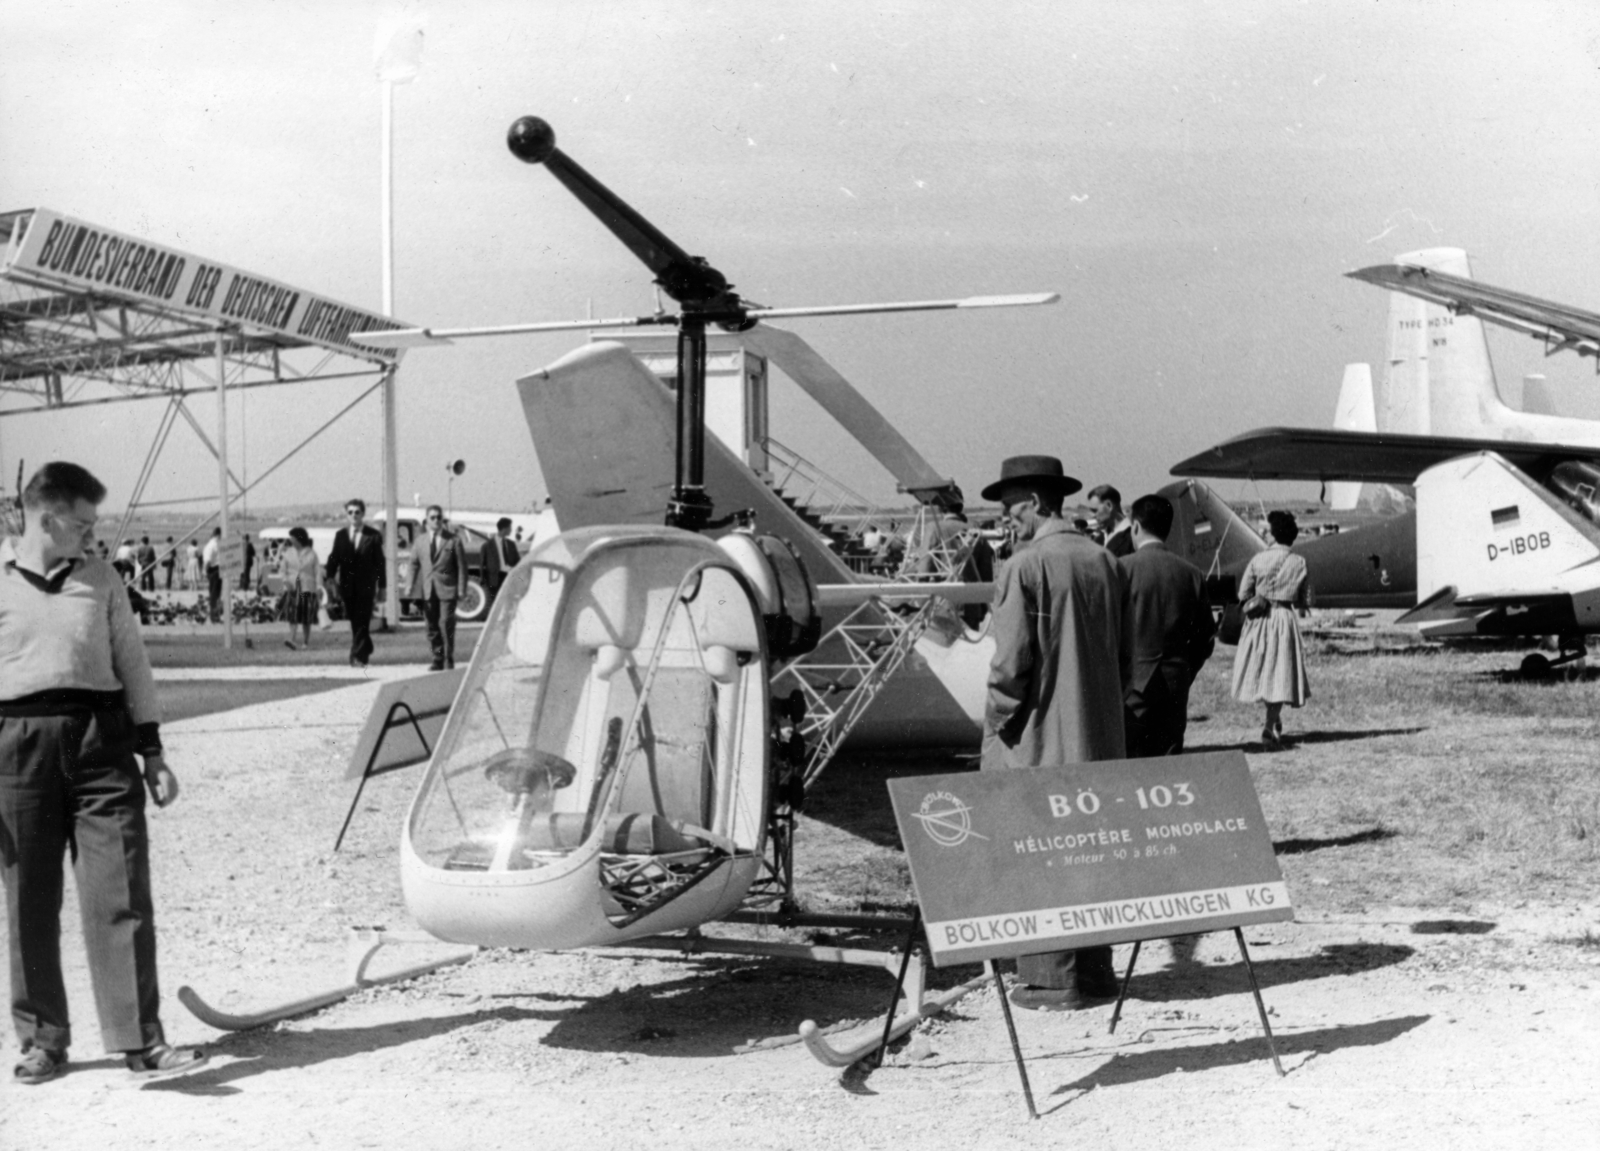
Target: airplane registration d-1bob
point(1507, 515)
point(619, 760)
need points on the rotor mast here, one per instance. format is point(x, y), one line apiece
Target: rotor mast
point(702, 292)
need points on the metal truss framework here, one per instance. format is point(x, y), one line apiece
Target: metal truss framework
point(63, 348)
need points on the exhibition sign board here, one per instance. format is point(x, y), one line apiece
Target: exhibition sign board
point(1010, 863)
point(63, 252)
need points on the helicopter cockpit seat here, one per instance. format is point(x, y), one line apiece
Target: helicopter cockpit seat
point(687, 725)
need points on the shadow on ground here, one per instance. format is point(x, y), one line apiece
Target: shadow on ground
point(1155, 1064)
point(852, 794)
point(1300, 846)
point(1209, 980)
point(252, 1053)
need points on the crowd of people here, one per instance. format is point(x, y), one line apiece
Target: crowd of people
point(1098, 639)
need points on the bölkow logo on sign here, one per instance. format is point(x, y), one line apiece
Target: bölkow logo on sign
point(947, 819)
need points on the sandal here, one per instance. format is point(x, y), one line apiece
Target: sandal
point(38, 1065)
point(163, 1059)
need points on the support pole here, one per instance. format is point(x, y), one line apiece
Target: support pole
point(1011, 1029)
point(1122, 994)
point(222, 482)
point(391, 421)
point(899, 983)
point(1255, 989)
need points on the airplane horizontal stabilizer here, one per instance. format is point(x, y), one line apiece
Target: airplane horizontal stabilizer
point(1325, 454)
point(1558, 325)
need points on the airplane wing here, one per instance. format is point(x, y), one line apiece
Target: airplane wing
point(1557, 325)
point(1327, 454)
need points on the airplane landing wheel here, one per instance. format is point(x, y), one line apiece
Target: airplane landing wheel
point(519, 770)
point(1536, 666)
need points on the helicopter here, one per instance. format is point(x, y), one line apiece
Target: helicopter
point(614, 766)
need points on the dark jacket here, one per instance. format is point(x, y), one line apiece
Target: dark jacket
point(1171, 622)
point(357, 569)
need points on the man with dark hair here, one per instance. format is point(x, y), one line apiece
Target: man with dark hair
point(1172, 632)
point(497, 557)
point(355, 566)
point(77, 705)
point(211, 557)
point(438, 580)
point(1056, 680)
point(145, 557)
point(1112, 525)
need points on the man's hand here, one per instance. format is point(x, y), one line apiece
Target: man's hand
point(159, 779)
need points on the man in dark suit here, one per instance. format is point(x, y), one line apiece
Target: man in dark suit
point(1172, 633)
point(355, 566)
point(497, 557)
point(1114, 529)
point(438, 580)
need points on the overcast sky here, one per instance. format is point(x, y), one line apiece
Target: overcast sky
point(1193, 178)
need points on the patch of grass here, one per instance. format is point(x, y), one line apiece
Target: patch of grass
point(1415, 778)
point(1588, 941)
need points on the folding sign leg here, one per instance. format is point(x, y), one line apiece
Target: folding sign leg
point(1116, 1012)
point(1011, 1029)
point(1261, 1008)
point(899, 984)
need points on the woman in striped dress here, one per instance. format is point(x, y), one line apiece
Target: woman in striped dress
point(302, 585)
point(1269, 664)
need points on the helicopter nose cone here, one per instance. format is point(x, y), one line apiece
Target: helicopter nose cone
point(531, 140)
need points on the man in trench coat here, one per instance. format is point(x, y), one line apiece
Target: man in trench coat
point(1062, 657)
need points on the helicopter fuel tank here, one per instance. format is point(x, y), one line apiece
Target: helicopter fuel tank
point(603, 773)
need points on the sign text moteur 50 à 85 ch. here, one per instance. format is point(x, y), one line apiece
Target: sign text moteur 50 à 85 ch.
point(1048, 859)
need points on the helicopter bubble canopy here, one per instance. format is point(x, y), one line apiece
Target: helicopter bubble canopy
point(612, 726)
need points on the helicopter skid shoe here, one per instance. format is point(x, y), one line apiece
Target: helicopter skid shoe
point(364, 944)
point(855, 1045)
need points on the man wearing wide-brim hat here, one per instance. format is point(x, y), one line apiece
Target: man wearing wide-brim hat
point(1062, 655)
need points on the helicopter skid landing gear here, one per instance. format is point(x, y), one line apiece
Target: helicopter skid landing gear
point(851, 1047)
point(364, 944)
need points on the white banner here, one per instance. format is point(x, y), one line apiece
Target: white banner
point(56, 250)
point(1064, 925)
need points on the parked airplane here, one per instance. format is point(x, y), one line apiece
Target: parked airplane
point(1507, 525)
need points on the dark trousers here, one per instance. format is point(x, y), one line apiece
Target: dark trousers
point(441, 617)
point(214, 591)
point(71, 781)
point(358, 607)
point(1155, 719)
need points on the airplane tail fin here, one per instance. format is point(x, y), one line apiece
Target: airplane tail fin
point(605, 430)
point(1536, 397)
point(1440, 381)
point(1209, 534)
point(1485, 528)
point(1357, 412)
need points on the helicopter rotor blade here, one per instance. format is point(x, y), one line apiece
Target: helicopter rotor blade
point(434, 337)
point(1021, 301)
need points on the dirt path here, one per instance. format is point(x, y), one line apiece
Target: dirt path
point(1400, 1027)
